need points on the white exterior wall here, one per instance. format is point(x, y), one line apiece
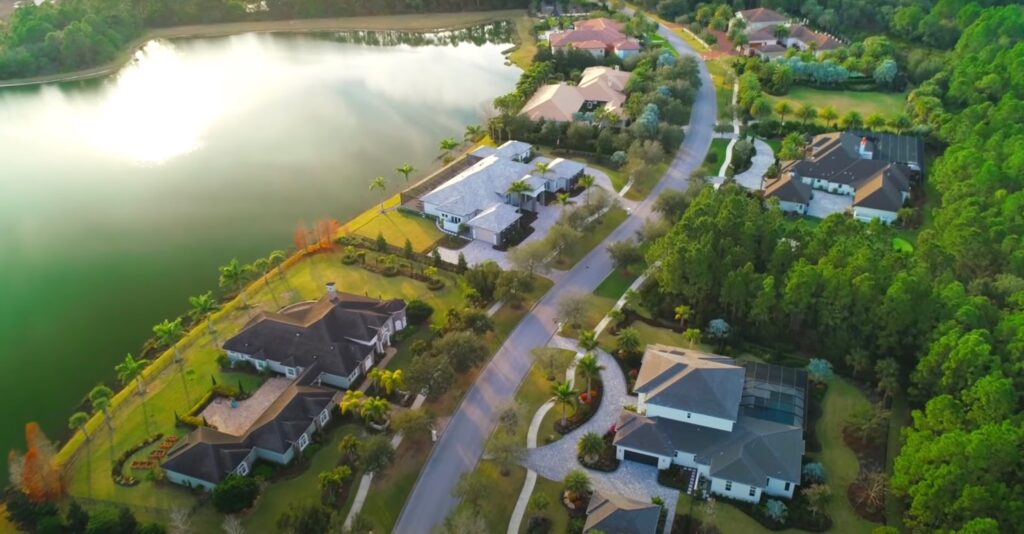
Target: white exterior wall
point(663, 461)
point(777, 488)
point(869, 214)
point(656, 410)
point(739, 491)
point(826, 185)
point(792, 207)
point(626, 53)
point(188, 481)
point(485, 235)
point(446, 218)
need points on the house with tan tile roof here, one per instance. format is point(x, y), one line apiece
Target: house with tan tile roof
point(600, 37)
point(599, 87)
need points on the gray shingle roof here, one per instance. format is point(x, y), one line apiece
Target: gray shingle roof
point(788, 189)
point(479, 187)
point(496, 218)
point(612, 513)
point(691, 381)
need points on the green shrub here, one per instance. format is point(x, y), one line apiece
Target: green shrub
point(235, 493)
point(418, 311)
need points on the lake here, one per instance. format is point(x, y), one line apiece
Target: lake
point(120, 197)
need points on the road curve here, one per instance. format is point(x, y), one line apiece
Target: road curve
point(460, 446)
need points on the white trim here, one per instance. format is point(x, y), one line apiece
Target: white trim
point(303, 442)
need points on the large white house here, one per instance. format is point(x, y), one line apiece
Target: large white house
point(478, 199)
point(763, 38)
point(739, 426)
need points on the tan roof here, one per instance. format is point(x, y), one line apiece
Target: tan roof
point(589, 32)
point(599, 24)
point(560, 101)
point(590, 45)
point(762, 14)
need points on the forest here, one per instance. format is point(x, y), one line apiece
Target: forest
point(947, 317)
point(78, 34)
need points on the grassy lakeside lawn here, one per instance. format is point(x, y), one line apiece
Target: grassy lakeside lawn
point(391, 488)
point(864, 102)
point(89, 474)
point(526, 47)
point(397, 226)
point(422, 22)
point(575, 252)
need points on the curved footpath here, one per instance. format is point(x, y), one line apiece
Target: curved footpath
point(460, 446)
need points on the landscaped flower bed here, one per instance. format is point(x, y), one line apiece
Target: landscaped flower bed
point(585, 409)
point(674, 477)
point(607, 461)
point(117, 472)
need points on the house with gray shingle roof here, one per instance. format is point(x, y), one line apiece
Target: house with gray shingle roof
point(737, 425)
point(612, 513)
point(208, 456)
point(345, 334)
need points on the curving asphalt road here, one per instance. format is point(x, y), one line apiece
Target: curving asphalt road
point(460, 446)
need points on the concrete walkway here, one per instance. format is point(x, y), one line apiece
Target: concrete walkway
point(735, 129)
point(754, 176)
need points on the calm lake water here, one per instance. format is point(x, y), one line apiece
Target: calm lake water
point(120, 197)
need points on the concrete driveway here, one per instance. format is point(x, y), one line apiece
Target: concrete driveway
point(824, 204)
point(459, 448)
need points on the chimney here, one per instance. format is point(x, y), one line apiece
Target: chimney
point(865, 149)
point(332, 291)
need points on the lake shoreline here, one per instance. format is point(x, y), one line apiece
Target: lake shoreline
point(432, 22)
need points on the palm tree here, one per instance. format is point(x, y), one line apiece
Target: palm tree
point(352, 401)
point(276, 260)
point(376, 377)
point(393, 380)
point(100, 397)
point(760, 108)
point(588, 340)
point(542, 168)
point(782, 108)
point(131, 369)
point(77, 421)
point(473, 132)
point(405, 170)
point(566, 396)
point(577, 483)
point(518, 188)
point(900, 123)
point(586, 182)
point(262, 267)
point(167, 334)
point(875, 121)
point(829, 115)
point(591, 445)
point(447, 145)
point(382, 184)
point(202, 306)
point(375, 410)
point(331, 481)
point(806, 113)
point(232, 275)
point(563, 199)
point(590, 367)
point(851, 121)
point(682, 314)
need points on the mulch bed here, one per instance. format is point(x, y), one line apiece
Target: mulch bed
point(584, 411)
point(607, 462)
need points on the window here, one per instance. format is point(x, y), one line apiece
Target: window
point(688, 415)
point(324, 416)
point(787, 486)
point(243, 469)
point(728, 485)
point(260, 364)
point(752, 491)
point(289, 372)
point(303, 442)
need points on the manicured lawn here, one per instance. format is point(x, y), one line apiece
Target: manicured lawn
point(841, 465)
point(555, 512)
point(643, 184)
point(616, 283)
point(390, 489)
point(305, 487)
point(720, 70)
point(503, 491)
point(397, 226)
point(590, 239)
point(864, 102)
point(648, 335)
point(712, 164)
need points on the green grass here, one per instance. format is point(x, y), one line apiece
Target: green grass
point(720, 70)
point(899, 419)
point(390, 488)
point(616, 283)
point(902, 244)
point(643, 184)
point(864, 102)
point(616, 177)
point(526, 44)
point(841, 465)
point(575, 252)
point(303, 488)
point(557, 513)
point(718, 148)
point(397, 226)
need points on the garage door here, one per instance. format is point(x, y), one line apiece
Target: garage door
point(642, 458)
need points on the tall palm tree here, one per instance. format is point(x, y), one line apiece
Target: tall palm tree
point(262, 266)
point(167, 334)
point(566, 396)
point(276, 259)
point(588, 340)
point(852, 120)
point(875, 121)
point(806, 113)
point(202, 306)
point(100, 397)
point(682, 314)
point(405, 170)
point(375, 410)
point(77, 421)
point(590, 367)
point(542, 168)
point(473, 132)
point(447, 145)
point(518, 189)
point(829, 115)
point(380, 183)
point(586, 182)
point(563, 199)
point(352, 401)
point(232, 275)
point(900, 123)
point(131, 369)
point(782, 108)
point(591, 445)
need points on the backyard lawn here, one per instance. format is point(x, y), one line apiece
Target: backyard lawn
point(864, 102)
point(575, 252)
point(397, 226)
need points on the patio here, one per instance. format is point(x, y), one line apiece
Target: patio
point(824, 204)
point(236, 417)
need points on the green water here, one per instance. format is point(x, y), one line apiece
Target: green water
point(119, 198)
